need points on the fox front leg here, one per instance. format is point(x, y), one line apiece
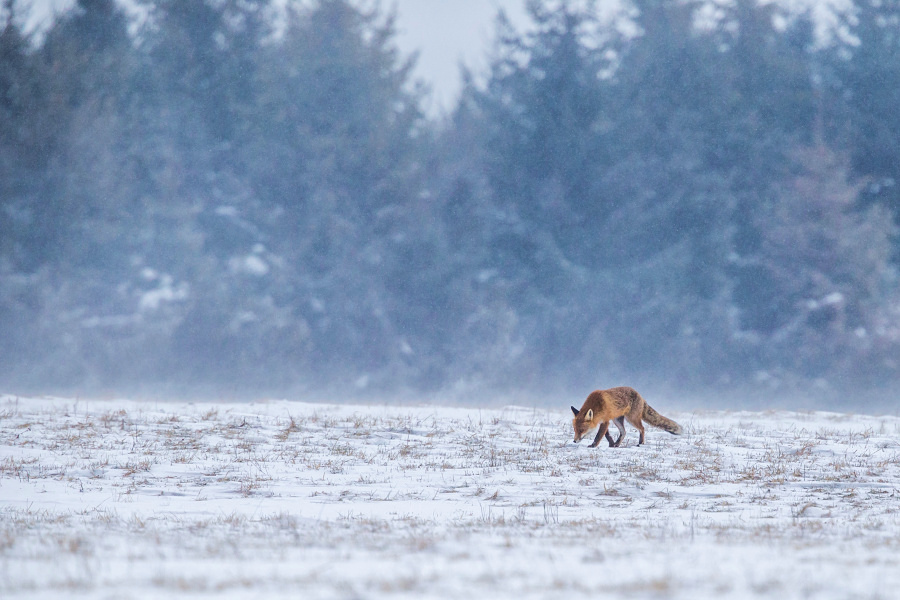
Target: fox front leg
point(609, 439)
point(603, 431)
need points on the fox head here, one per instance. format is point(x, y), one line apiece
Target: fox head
point(582, 423)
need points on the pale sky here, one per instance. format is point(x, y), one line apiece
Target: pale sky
point(444, 32)
point(447, 32)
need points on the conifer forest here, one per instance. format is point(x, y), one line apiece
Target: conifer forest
point(247, 198)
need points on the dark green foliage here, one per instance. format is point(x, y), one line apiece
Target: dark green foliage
point(866, 80)
point(222, 201)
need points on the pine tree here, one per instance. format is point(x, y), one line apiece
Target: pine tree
point(825, 285)
point(544, 111)
point(867, 85)
point(27, 137)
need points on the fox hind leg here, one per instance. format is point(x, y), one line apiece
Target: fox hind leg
point(620, 424)
point(634, 417)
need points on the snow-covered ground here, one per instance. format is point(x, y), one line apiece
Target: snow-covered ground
point(120, 499)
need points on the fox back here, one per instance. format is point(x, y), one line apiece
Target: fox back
point(602, 406)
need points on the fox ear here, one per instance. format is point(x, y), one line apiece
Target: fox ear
point(590, 415)
point(574, 411)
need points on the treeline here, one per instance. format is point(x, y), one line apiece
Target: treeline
point(225, 197)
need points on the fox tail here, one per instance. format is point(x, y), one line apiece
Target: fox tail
point(657, 420)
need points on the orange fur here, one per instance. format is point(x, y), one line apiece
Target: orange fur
point(616, 405)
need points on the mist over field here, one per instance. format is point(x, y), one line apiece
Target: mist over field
point(241, 199)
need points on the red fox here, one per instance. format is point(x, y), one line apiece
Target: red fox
point(616, 405)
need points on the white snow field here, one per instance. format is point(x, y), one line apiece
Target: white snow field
point(121, 499)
